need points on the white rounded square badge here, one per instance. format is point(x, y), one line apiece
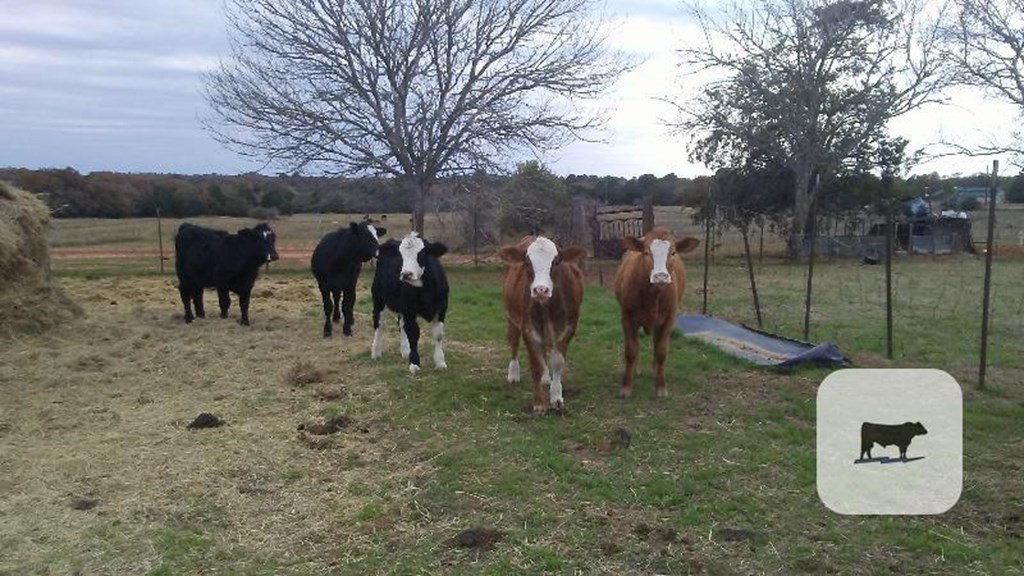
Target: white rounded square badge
point(889, 441)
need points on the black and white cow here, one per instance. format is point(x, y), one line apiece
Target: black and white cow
point(207, 258)
point(336, 263)
point(411, 282)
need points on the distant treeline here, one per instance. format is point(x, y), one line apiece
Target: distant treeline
point(118, 195)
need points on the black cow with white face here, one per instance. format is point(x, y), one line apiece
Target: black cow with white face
point(207, 258)
point(411, 282)
point(336, 263)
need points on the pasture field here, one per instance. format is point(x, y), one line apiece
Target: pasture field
point(99, 474)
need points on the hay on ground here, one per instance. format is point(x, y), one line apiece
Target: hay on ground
point(29, 300)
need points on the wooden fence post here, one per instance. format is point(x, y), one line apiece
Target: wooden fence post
point(160, 239)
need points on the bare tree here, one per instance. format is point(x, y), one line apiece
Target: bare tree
point(415, 89)
point(808, 84)
point(985, 42)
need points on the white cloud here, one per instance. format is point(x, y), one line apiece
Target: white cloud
point(115, 85)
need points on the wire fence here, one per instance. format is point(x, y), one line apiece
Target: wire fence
point(937, 291)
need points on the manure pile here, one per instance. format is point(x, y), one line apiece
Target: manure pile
point(29, 300)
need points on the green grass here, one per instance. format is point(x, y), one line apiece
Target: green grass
point(565, 501)
point(732, 448)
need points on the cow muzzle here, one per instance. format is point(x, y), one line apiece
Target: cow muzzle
point(410, 278)
point(272, 256)
point(661, 278)
point(540, 292)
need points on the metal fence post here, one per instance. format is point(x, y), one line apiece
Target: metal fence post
point(988, 275)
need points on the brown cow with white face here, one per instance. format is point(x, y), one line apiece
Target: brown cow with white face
point(542, 293)
point(649, 286)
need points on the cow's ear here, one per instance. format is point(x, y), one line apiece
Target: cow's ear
point(353, 226)
point(686, 244)
point(388, 249)
point(380, 231)
point(246, 232)
point(632, 243)
point(572, 254)
point(511, 255)
point(436, 249)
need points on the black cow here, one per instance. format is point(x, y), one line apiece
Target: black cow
point(336, 263)
point(207, 258)
point(411, 282)
point(887, 435)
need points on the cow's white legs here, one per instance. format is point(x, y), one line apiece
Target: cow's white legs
point(403, 340)
point(437, 332)
point(513, 371)
point(556, 364)
point(375, 348)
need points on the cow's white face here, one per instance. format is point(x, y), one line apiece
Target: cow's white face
point(376, 238)
point(268, 239)
point(410, 248)
point(541, 253)
point(660, 250)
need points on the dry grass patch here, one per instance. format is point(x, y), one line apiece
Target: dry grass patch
point(97, 411)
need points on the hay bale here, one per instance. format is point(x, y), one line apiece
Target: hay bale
point(29, 301)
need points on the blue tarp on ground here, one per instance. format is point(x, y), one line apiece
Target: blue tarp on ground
point(759, 347)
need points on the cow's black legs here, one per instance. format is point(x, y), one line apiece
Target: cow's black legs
point(197, 300)
point(336, 312)
point(243, 305)
point(346, 307)
point(412, 332)
point(325, 295)
point(186, 301)
point(224, 299)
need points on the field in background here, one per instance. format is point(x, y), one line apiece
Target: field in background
point(937, 298)
point(90, 237)
point(99, 475)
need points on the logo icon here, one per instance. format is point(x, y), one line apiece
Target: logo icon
point(886, 435)
point(883, 412)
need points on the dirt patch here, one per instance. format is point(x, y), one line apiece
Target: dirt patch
point(658, 535)
point(84, 503)
point(329, 426)
point(205, 420)
point(329, 394)
point(303, 373)
point(479, 538)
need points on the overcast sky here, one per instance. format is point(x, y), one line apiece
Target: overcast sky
point(115, 85)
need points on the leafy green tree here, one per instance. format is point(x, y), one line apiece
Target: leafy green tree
point(809, 82)
point(1015, 190)
point(537, 201)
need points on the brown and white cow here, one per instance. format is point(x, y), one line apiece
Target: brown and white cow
point(649, 286)
point(542, 294)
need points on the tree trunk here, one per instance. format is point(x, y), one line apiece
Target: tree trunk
point(803, 197)
point(419, 206)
